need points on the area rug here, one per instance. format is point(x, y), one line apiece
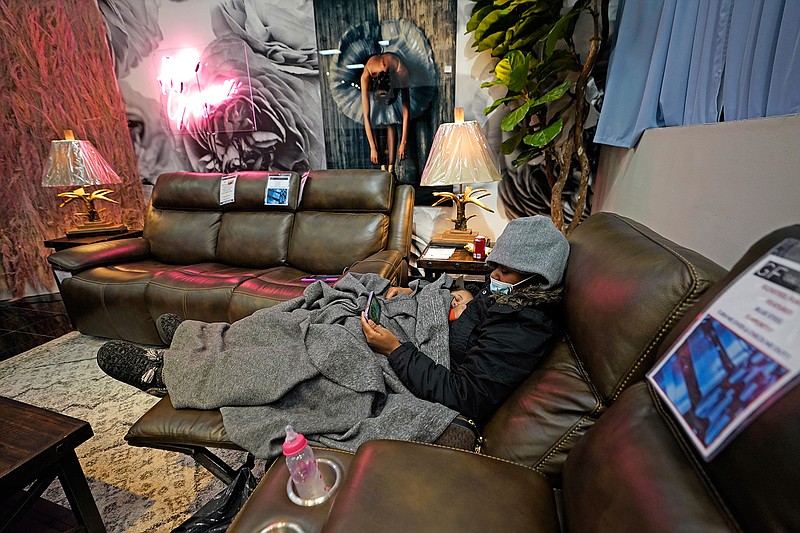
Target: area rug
point(136, 489)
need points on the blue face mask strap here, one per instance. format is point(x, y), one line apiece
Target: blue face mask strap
point(503, 287)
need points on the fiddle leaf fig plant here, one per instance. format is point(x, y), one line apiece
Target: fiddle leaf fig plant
point(545, 79)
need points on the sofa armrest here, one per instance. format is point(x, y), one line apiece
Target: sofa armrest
point(630, 473)
point(99, 254)
point(386, 263)
point(406, 486)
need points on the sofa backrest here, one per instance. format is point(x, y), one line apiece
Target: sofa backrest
point(625, 287)
point(333, 218)
point(343, 216)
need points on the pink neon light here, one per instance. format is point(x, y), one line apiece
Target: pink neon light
point(178, 105)
point(176, 74)
point(177, 70)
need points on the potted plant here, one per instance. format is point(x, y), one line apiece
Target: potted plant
point(546, 78)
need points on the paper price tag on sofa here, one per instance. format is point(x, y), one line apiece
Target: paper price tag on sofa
point(227, 189)
point(739, 354)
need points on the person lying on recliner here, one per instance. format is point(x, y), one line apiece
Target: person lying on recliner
point(496, 339)
point(504, 331)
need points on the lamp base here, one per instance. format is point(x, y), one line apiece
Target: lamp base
point(453, 237)
point(97, 228)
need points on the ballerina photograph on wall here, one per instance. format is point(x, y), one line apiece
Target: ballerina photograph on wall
point(387, 83)
point(383, 79)
point(384, 82)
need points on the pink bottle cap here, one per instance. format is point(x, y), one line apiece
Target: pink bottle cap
point(294, 443)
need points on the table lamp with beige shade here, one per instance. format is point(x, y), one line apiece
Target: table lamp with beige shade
point(74, 162)
point(459, 155)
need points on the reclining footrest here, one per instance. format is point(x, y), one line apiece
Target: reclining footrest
point(189, 431)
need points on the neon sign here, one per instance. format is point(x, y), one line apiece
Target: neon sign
point(177, 73)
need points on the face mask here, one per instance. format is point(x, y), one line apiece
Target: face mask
point(502, 287)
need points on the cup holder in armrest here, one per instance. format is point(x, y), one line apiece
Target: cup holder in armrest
point(330, 469)
point(283, 527)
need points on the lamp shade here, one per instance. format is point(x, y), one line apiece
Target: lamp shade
point(74, 162)
point(459, 154)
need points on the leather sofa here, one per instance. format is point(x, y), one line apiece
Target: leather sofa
point(211, 262)
point(623, 465)
point(625, 288)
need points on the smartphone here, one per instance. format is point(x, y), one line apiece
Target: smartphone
point(373, 310)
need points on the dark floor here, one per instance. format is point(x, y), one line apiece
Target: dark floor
point(29, 322)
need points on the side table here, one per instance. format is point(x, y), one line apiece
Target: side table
point(460, 262)
point(38, 446)
point(62, 243)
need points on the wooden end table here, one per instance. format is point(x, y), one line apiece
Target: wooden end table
point(62, 243)
point(37, 446)
point(460, 262)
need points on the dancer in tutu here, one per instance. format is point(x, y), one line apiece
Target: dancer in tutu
point(397, 85)
point(384, 80)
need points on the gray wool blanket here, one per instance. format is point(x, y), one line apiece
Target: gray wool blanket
point(305, 362)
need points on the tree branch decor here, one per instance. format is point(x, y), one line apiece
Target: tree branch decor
point(545, 79)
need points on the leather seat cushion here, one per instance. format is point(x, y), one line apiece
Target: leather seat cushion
point(267, 289)
point(625, 287)
point(544, 418)
point(182, 237)
point(201, 291)
point(109, 301)
point(254, 240)
point(328, 243)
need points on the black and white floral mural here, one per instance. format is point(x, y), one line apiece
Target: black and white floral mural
point(262, 52)
point(291, 68)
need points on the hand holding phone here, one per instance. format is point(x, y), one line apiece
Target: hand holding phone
point(372, 309)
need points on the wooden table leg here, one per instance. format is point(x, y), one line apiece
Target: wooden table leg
point(77, 491)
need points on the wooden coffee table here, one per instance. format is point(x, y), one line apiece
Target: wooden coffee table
point(36, 446)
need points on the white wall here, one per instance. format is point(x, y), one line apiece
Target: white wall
point(714, 188)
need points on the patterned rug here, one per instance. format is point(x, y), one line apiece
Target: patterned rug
point(136, 489)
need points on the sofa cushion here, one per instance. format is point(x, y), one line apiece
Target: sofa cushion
point(165, 424)
point(545, 416)
point(257, 240)
point(182, 237)
point(347, 238)
point(274, 286)
point(348, 191)
point(186, 191)
point(109, 301)
point(201, 291)
point(413, 487)
point(625, 286)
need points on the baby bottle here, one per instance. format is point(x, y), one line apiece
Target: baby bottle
point(302, 465)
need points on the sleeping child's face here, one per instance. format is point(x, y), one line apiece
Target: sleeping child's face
point(459, 302)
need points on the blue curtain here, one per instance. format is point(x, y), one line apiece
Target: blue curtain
point(679, 62)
